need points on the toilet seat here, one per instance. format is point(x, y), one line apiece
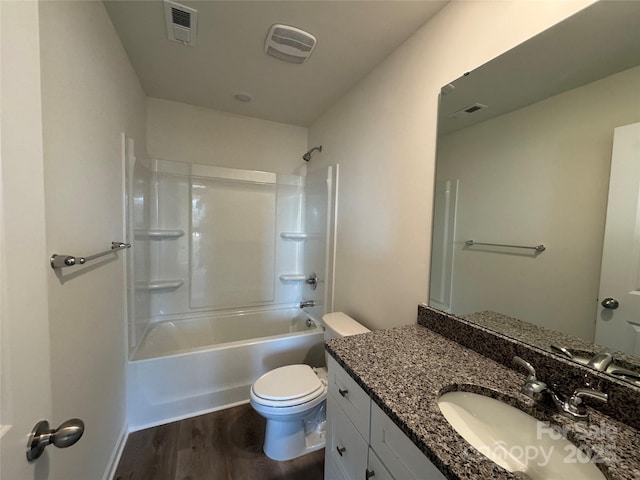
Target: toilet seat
point(288, 386)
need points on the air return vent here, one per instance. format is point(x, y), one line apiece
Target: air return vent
point(289, 43)
point(468, 110)
point(181, 23)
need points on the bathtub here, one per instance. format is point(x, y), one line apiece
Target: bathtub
point(193, 366)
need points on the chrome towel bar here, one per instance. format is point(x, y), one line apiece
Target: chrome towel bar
point(59, 261)
point(537, 248)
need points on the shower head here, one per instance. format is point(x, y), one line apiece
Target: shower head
point(307, 156)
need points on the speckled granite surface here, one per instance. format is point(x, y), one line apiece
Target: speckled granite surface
point(624, 398)
point(405, 369)
point(543, 338)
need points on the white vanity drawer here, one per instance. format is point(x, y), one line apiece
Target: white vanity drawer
point(350, 396)
point(399, 454)
point(346, 450)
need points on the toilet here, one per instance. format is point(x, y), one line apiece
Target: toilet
point(293, 399)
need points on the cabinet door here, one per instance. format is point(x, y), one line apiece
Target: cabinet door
point(399, 454)
point(346, 450)
point(376, 469)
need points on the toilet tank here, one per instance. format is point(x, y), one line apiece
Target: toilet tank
point(340, 325)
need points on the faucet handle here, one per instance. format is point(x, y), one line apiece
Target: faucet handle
point(533, 387)
point(527, 366)
point(574, 405)
point(578, 395)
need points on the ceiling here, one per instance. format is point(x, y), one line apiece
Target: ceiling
point(353, 37)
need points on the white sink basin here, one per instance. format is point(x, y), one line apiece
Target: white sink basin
point(514, 440)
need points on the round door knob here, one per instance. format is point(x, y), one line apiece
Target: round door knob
point(68, 433)
point(610, 303)
point(62, 437)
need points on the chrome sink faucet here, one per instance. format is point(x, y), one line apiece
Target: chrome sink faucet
point(571, 407)
point(601, 361)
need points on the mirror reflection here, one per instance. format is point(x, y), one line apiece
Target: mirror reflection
point(526, 146)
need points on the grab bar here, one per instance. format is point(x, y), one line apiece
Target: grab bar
point(537, 248)
point(59, 261)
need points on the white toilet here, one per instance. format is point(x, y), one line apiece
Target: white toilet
point(293, 399)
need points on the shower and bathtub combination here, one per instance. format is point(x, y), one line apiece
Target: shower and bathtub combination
point(221, 260)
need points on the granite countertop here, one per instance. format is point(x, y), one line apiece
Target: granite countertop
point(543, 338)
point(405, 370)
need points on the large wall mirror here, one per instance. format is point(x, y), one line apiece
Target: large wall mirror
point(524, 164)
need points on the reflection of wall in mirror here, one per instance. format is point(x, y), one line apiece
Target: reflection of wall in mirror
point(538, 175)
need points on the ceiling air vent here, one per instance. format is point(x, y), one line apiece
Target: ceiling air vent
point(289, 43)
point(181, 23)
point(468, 110)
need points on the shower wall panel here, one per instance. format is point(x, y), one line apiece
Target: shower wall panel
point(138, 182)
point(215, 239)
point(170, 248)
point(233, 243)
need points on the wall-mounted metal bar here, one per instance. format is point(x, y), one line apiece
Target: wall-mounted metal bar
point(537, 248)
point(59, 261)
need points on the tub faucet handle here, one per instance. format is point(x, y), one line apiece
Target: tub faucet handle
point(312, 280)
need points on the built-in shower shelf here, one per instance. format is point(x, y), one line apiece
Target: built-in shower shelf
point(159, 233)
point(292, 277)
point(160, 285)
point(294, 235)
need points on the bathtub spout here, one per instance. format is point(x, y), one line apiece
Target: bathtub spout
point(307, 303)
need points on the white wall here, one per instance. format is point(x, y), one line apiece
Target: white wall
point(185, 133)
point(90, 95)
point(382, 133)
point(538, 175)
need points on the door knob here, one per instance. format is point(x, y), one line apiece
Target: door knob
point(62, 437)
point(610, 303)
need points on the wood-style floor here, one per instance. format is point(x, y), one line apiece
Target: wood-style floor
point(224, 445)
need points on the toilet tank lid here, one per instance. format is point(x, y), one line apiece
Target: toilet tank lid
point(343, 325)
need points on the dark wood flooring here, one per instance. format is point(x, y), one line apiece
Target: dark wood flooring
point(224, 445)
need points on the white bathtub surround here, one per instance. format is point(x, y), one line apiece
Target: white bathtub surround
point(228, 252)
point(218, 330)
point(179, 377)
point(231, 252)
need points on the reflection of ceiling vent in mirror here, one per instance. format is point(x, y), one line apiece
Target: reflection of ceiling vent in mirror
point(289, 43)
point(468, 110)
point(181, 23)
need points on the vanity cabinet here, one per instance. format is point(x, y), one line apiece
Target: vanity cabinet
point(362, 442)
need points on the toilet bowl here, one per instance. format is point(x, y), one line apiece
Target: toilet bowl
point(293, 400)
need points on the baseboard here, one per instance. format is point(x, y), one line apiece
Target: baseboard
point(117, 453)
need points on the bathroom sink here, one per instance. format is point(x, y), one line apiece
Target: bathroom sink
point(514, 440)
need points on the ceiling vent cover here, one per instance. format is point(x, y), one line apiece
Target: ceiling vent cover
point(289, 43)
point(181, 23)
point(468, 110)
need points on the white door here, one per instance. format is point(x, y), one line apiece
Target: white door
point(618, 326)
point(24, 362)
